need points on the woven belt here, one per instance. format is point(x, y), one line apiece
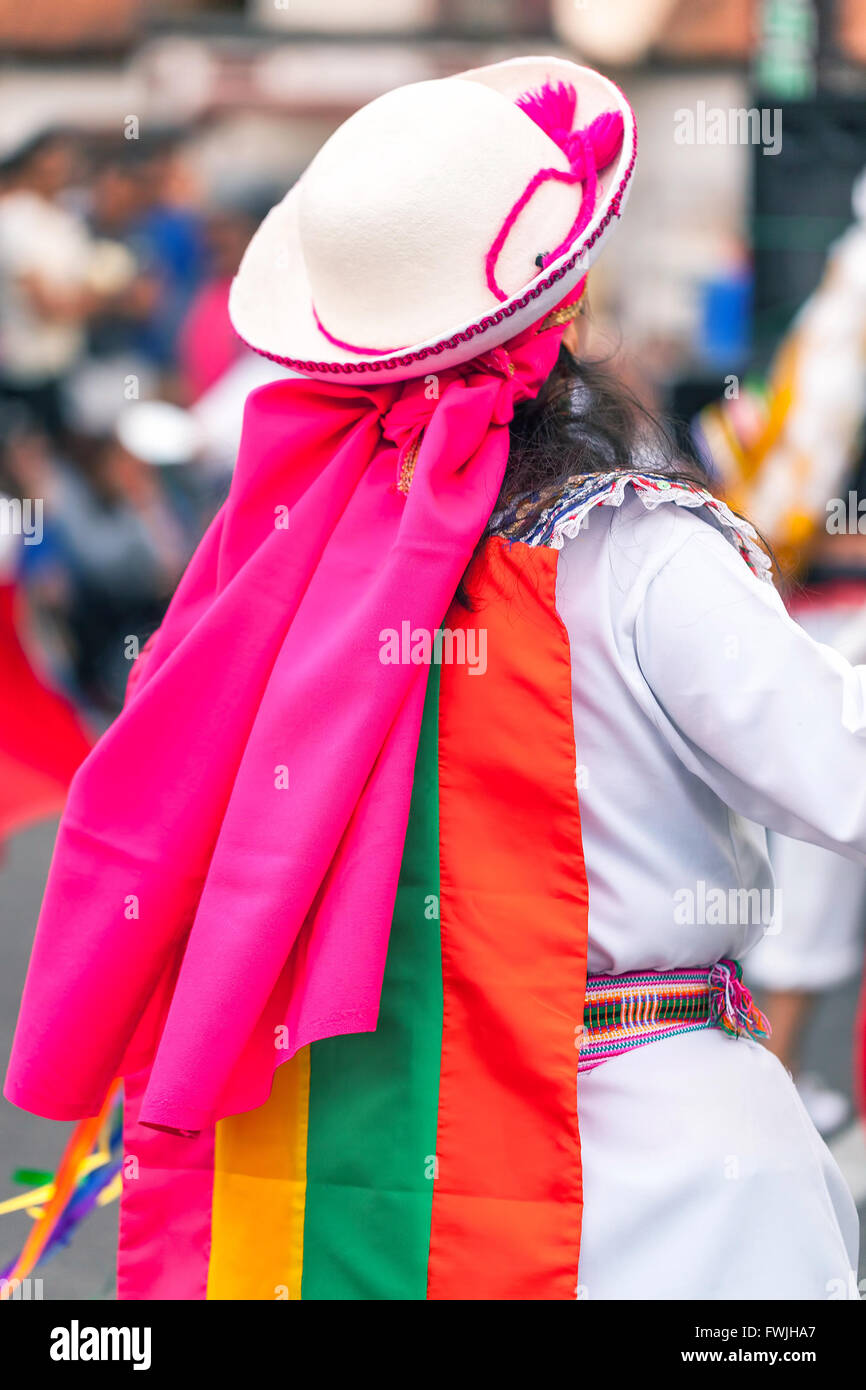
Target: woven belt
point(626, 1011)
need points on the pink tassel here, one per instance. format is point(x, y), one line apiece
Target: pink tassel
point(606, 134)
point(552, 107)
point(731, 1004)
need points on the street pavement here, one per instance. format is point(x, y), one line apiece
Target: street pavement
point(85, 1269)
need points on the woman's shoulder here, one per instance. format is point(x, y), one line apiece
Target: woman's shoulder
point(632, 499)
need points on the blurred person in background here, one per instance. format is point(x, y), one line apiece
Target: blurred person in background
point(117, 204)
point(216, 370)
point(46, 295)
point(170, 232)
point(117, 534)
point(125, 543)
point(792, 454)
point(115, 364)
point(208, 345)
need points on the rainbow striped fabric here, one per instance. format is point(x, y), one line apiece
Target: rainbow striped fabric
point(437, 1158)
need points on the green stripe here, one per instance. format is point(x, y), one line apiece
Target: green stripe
point(374, 1096)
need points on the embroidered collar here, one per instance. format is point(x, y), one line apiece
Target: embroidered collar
point(565, 517)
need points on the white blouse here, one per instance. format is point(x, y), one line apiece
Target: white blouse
point(702, 713)
point(700, 709)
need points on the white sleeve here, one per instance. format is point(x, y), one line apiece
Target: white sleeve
point(772, 721)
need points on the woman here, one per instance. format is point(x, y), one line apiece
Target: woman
point(326, 894)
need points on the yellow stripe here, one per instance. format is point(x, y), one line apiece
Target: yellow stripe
point(260, 1186)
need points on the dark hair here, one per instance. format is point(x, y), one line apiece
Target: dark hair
point(584, 421)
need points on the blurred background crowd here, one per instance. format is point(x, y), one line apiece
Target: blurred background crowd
point(141, 141)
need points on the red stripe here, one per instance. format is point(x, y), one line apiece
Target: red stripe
point(507, 1197)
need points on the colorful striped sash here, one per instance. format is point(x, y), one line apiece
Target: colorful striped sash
point(625, 1011)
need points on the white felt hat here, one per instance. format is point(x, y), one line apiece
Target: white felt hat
point(438, 222)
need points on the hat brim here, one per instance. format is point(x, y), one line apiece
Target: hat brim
point(282, 325)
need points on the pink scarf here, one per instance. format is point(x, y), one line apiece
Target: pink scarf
point(225, 873)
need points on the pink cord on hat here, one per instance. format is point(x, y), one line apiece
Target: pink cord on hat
point(349, 347)
point(552, 107)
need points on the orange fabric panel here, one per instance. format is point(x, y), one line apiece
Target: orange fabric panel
point(507, 1199)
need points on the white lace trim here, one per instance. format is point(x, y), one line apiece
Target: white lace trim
point(609, 490)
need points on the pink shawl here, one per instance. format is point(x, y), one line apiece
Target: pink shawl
point(225, 873)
